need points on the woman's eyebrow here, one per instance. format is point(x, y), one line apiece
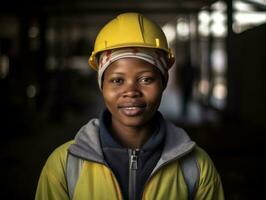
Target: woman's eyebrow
point(116, 73)
point(140, 72)
point(146, 71)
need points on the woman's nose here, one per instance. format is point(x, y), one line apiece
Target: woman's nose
point(131, 90)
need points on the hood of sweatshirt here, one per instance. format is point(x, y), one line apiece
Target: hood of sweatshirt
point(87, 144)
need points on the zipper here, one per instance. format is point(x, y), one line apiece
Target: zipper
point(132, 178)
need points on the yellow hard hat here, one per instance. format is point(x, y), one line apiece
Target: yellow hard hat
point(130, 30)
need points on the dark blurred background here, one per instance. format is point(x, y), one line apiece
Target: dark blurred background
point(216, 89)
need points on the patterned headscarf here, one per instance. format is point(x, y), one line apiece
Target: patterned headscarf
point(152, 56)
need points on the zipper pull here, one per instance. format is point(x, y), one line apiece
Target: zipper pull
point(134, 159)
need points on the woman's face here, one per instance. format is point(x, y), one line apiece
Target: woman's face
point(132, 91)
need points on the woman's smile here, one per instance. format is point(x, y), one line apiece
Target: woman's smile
point(132, 110)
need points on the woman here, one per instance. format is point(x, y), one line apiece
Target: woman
point(131, 151)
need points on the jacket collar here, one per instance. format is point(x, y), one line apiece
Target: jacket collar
point(177, 144)
point(87, 143)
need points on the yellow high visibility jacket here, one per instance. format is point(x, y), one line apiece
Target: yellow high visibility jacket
point(97, 182)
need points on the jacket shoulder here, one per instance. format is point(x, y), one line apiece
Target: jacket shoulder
point(52, 182)
point(55, 164)
point(209, 185)
point(59, 154)
point(204, 161)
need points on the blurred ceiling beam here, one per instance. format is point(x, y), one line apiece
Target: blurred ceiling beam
point(63, 7)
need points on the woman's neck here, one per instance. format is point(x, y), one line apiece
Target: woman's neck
point(131, 137)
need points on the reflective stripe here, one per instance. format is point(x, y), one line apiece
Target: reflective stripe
point(191, 173)
point(73, 168)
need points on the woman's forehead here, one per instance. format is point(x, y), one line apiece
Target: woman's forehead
point(131, 65)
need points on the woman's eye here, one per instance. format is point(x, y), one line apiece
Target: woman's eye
point(117, 81)
point(146, 80)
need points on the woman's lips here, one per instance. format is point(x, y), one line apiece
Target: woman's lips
point(132, 110)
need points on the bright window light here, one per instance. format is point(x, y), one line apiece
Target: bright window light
point(170, 32)
point(250, 18)
point(219, 5)
point(219, 91)
point(218, 17)
point(204, 87)
point(263, 2)
point(204, 17)
point(218, 59)
point(204, 29)
point(182, 29)
point(242, 6)
point(218, 29)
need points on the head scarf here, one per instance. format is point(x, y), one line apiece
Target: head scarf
point(152, 56)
